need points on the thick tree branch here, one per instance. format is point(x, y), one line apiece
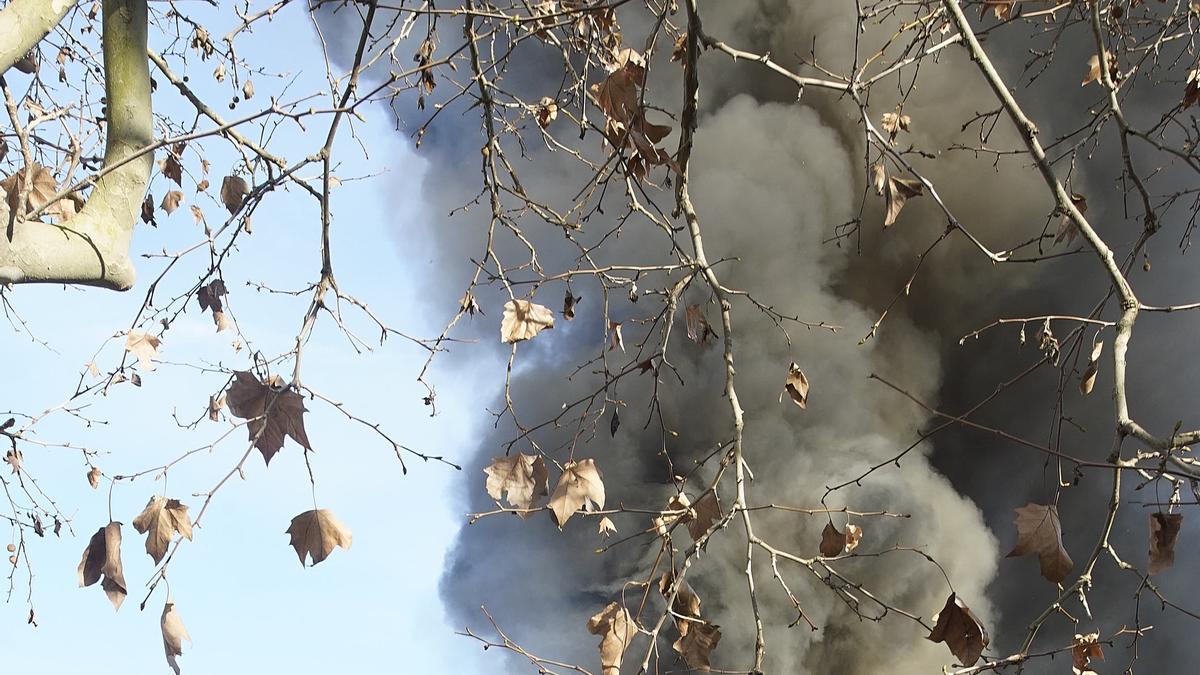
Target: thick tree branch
point(23, 24)
point(92, 248)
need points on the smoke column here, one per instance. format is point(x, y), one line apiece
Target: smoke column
point(772, 178)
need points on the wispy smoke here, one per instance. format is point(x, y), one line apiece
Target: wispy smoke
point(772, 179)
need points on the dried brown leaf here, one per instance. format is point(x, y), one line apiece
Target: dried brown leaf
point(697, 644)
point(698, 329)
point(172, 169)
point(524, 320)
point(171, 201)
point(833, 541)
point(1039, 531)
point(616, 629)
point(271, 412)
point(606, 527)
point(898, 191)
point(144, 347)
point(13, 458)
point(1084, 650)
point(1164, 531)
point(519, 478)
point(93, 477)
point(173, 634)
point(159, 521)
point(796, 385)
point(315, 533)
point(102, 558)
point(233, 192)
point(579, 487)
point(957, 626)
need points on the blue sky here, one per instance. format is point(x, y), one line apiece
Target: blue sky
point(245, 599)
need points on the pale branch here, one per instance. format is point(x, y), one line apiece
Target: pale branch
point(23, 24)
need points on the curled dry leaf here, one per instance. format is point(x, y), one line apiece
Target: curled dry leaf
point(697, 638)
point(102, 558)
point(625, 125)
point(895, 122)
point(578, 487)
point(248, 89)
point(159, 521)
point(546, 111)
point(215, 403)
point(898, 191)
point(468, 304)
point(13, 459)
point(171, 168)
point(1084, 650)
point(173, 634)
point(144, 346)
point(957, 626)
point(1164, 531)
point(524, 320)
point(835, 542)
point(615, 338)
point(616, 629)
point(148, 210)
point(606, 526)
point(569, 303)
point(1093, 71)
point(1039, 531)
point(698, 329)
point(1067, 230)
point(233, 192)
point(796, 385)
point(1191, 89)
point(93, 477)
point(171, 201)
point(520, 478)
point(696, 647)
point(1088, 381)
point(315, 533)
point(271, 411)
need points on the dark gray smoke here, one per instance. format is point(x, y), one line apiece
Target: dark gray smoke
point(773, 178)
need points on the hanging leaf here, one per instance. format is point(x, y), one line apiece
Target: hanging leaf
point(1088, 381)
point(1164, 531)
point(579, 486)
point(1038, 531)
point(1084, 650)
point(171, 201)
point(616, 629)
point(144, 347)
point(272, 412)
point(315, 533)
point(173, 634)
point(519, 478)
point(524, 320)
point(159, 521)
point(614, 423)
point(796, 385)
point(957, 626)
point(102, 559)
point(233, 192)
point(698, 329)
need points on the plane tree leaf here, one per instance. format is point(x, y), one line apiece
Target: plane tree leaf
point(1039, 532)
point(271, 410)
point(315, 533)
point(957, 626)
point(159, 521)
point(578, 487)
point(519, 478)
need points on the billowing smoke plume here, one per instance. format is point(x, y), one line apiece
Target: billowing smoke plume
point(772, 179)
